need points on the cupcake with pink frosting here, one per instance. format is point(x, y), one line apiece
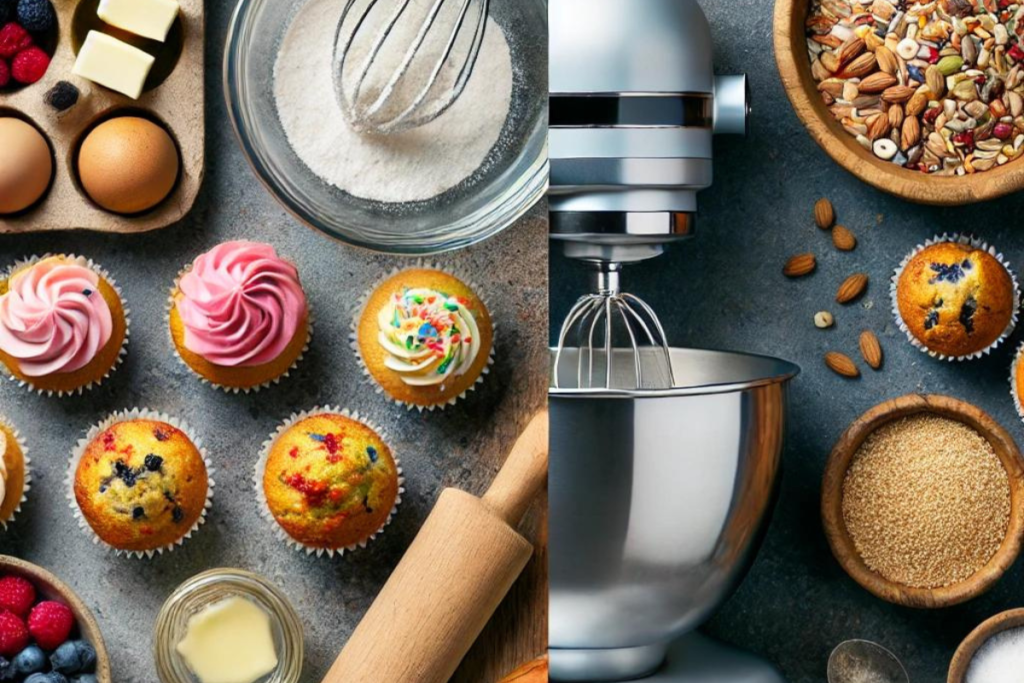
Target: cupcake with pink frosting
point(63, 324)
point(239, 316)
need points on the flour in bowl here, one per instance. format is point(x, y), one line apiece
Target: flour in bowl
point(409, 166)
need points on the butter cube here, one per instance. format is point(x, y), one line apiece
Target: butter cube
point(113, 63)
point(147, 18)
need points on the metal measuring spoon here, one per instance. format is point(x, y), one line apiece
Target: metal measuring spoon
point(861, 661)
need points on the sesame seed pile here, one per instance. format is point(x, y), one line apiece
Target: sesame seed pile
point(926, 501)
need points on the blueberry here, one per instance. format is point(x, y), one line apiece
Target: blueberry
point(7, 670)
point(30, 660)
point(84, 678)
point(52, 677)
point(154, 462)
point(177, 514)
point(36, 15)
point(138, 513)
point(72, 657)
point(62, 97)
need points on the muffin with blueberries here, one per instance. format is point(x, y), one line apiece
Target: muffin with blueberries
point(424, 337)
point(329, 481)
point(140, 483)
point(63, 325)
point(955, 298)
point(239, 318)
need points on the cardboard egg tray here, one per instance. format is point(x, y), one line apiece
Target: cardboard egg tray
point(178, 104)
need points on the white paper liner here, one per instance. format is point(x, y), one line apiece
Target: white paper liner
point(261, 466)
point(976, 244)
point(127, 416)
point(28, 470)
point(235, 390)
point(104, 274)
point(354, 337)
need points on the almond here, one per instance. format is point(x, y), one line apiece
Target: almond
point(896, 116)
point(911, 133)
point(850, 49)
point(935, 80)
point(824, 214)
point(918, 102)
point(878, 127)
point(841, 365)
point(877, 82)
point(830, 61)
point(852, 288)
point(871, 349)
point(843, 238)
point(800, 265)
point(858, 68)
point(887, 61)
point(898, 93)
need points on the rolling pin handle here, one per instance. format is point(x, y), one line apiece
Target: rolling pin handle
point(524, 474)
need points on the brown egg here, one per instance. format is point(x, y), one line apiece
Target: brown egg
point(128, 164)
point(26, 165)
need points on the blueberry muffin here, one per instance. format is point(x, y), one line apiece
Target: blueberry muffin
point(424, 337)
point(330, 482)
point(141, 485)
point(955, 299)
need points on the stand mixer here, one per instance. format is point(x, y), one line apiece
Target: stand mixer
point(664, 461)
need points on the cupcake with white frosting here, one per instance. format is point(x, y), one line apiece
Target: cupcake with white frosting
point(424, 337)
point(63, 324)
point(239, 318)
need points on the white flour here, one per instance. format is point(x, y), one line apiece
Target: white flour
point(414, 165)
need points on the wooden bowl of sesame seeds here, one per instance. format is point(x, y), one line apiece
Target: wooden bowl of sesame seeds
point(794, 65)
point(990, 540)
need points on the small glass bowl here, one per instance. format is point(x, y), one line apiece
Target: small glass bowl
point(510, 181)
point(213, 586)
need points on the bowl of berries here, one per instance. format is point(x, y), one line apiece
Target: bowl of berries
point(47, 634)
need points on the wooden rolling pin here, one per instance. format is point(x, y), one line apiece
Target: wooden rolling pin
point(452, 579)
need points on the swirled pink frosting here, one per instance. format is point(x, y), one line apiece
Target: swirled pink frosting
point(53, 318)
point(241, 304)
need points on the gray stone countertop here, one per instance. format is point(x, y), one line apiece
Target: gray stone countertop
point(724, 289)
point(462, 446)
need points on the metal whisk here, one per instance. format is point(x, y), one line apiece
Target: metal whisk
point(597, 323)
point(399, 64)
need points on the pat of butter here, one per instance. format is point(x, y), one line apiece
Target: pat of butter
point(147, 18)
point(229, 641)
point(113, 63)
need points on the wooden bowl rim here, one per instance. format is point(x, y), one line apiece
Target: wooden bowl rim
point(839, 538)
point(795, 70)
point(88, 627)
point(1003, 621)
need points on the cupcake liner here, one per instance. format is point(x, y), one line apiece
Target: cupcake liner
point(977, 244)
point(103, 273)
point(1013, 381)
point(236, 390)
point(125, 416)
point(354, 336)
point(261, 466)
point(28, 470)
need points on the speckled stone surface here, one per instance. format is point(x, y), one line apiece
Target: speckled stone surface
point(462, 446)
point(725, 289)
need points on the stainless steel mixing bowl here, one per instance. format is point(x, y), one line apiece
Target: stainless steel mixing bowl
point(658, 500)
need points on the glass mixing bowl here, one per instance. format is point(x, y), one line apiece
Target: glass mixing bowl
point(510, 181)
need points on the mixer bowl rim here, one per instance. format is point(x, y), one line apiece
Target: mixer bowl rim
point(787, 371)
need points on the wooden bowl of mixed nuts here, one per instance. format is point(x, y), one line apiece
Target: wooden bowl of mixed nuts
point(921, 99)
point(923, 501)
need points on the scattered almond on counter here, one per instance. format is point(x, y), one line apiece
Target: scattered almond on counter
point(871, 349)
point(841, 364)
point(800, 265)
point(843, 238)
point(824, 214)
point(852, 287)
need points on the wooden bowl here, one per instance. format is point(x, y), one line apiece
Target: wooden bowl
point(1003, 621)
point(795, 69)
point(49, 587)
point(832, 501)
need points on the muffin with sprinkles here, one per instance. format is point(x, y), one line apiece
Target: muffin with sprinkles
point(424, 337)
point(239, 317)
point(63, 325)
point(140, 483)
point(955, 298)
point(15, 478)
point(328, 480)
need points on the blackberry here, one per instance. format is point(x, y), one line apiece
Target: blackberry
point(62, 97)
point(154, 462)
point(36, 15)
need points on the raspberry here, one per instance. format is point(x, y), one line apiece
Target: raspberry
point(13, 39)
point(5, 74)
point(13, 634)
point(30, 65)
point(17, 595)
point(50, 623)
